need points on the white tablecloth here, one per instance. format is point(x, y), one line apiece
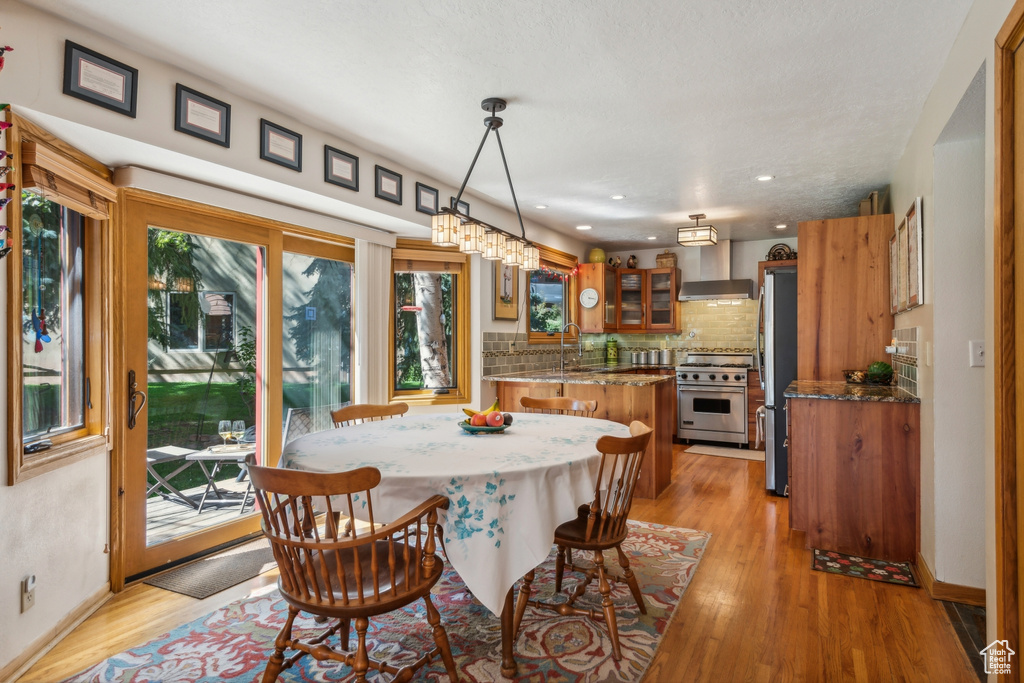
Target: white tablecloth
point(508, 491)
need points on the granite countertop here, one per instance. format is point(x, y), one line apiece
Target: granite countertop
point(843, 391)
point(600, 374)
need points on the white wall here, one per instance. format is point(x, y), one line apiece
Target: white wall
point(914, 177)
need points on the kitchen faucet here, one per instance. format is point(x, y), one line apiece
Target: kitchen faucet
point(561, 349)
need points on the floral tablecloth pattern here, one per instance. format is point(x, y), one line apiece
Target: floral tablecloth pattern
point(508, 491)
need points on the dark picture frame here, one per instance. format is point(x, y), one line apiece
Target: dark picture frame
point(100, 80)
point(426, 199)
point(387, 184)
point(341, 168)
point(280, 145)
point(202, 116)
point(462, 208)
point(915, 264)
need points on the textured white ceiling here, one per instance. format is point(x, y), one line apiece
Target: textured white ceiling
point(677, 104)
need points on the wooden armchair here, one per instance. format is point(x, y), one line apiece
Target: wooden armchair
point(372, 570)
point(367, 412)
point(559, 405)
point(599, 526)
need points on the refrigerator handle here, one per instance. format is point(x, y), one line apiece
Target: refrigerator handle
point(757, 338)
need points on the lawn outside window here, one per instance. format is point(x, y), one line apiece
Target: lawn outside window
point(429, 325)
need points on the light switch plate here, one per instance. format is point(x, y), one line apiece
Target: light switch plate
point(977, 350)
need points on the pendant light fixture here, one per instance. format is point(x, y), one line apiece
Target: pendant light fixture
point(699, 235)
point(450, 227)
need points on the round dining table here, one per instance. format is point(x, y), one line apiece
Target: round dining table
point(508, 491)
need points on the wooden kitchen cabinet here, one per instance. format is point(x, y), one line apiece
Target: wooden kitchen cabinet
point(661, 293)
point(631, 289)
point(755, 399)
point(843, 316)
point(603, 279)
point(509, 393)
point(855, 476)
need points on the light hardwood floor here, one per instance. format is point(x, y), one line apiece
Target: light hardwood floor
point(755, 611)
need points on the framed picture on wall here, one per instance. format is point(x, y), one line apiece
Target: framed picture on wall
point(426, 199)
point(387, 185)
point(280, 145)
point(341, 168)
point(461, 207)
point(894, 275)
point(915, 274)
point(100, 80)
point(202, 116)
point(506, 292)
point(901, 266)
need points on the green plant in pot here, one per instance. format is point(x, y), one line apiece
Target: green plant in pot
point(879, 373)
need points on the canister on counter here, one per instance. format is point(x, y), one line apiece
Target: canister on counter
point(611, 352)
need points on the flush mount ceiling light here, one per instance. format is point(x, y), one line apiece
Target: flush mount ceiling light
point(541, 206)
point(450, 227)
point(781, 226)
point(653, 237)
point(584, 227)
point(618, 196)
point(698, 235)
point(765, 178)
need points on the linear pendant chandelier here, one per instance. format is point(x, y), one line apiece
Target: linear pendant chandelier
point(452, 228)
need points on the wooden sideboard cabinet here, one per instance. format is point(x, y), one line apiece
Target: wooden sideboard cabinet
point(855, 476)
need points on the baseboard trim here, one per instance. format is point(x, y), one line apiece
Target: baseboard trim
point(44, 643)
point(940, 590)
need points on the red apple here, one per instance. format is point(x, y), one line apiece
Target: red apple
point(478, 420)
point(495, 419)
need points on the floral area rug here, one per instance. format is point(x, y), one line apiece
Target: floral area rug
point(863, 567)
point(235, 642)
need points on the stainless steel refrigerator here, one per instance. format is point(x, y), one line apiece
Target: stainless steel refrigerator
point(776, 365)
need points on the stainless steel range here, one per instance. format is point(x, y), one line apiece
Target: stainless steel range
point(712, 389)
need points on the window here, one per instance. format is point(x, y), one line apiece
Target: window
point(56, 282)
point(211, 328)
point(552, 296)
point(430, 325)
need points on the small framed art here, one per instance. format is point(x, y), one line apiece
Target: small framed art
point(894, 275)
point(426, 199)
point(915, 279)
point(506, 292)
point(341, 168)
point(462, 208)
point(387, 185)
point(202, 116)
point(901, 266)
point(280, 145)
point(100, 80)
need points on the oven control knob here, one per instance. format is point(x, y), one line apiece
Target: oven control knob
point(725, 378)
point(738, 377)
point(683, 376)
point(712, 377)
point(696, 376)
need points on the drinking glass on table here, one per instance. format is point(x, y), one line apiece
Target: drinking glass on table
point(224, 429)
point(238, 430)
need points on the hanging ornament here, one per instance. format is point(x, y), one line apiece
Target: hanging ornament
point(5, 48)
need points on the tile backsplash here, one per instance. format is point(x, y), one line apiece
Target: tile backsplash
point(905, 360)
point(704, 324)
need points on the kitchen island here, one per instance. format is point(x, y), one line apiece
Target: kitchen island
point(854, 468)
point(622, 395)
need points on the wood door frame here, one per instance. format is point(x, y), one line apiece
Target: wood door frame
point(1009, 325)
point(276, 237)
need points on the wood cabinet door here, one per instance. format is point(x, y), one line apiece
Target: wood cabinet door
point(631, 289)
point(509, 393)
point(661, 300)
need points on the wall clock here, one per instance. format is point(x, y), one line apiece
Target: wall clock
point(589, 297)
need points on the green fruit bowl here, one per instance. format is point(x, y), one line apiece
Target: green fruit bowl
point(482, 430)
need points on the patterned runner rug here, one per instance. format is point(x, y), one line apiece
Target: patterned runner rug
point(234, 643)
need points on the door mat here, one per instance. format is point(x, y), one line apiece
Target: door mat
point(203, 578)
point(233, 644)
point(725, 452)
point(863, 567)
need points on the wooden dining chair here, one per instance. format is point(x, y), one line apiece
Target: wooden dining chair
point(559, 405)
point(599, 526)
point(367, 412)
point(371, 570)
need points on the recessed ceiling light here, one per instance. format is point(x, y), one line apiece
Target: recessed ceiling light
point(765, 178)
point(541, 206)
point(583, 227)
point(618, 196)
point(781, 226)
point(652, 237)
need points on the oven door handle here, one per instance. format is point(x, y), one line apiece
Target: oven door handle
point(717, 390)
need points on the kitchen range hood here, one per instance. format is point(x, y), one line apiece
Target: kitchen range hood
point(714, 280)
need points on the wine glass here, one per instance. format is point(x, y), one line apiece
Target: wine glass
point(238, 430)
point(224, 429)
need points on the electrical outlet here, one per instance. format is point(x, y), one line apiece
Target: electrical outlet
point(28, 593)
point(511, 347)
point(977, 351)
